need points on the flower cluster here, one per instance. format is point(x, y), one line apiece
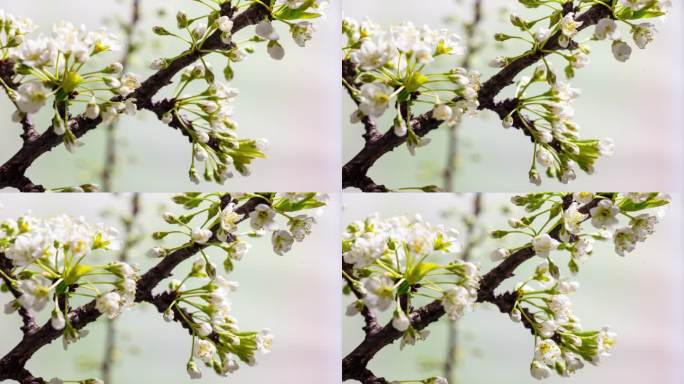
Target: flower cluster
point(205, 307)
point(542, 302)
point(626, 12)
point(12, 32)
point(547, 116)
point(207, 117)
point(59, 69)
point(49, 255)
point(394, 67)
point(602, 210)
point(403, 258)
point(221, 224)
point(218, 341)
point(561, 343)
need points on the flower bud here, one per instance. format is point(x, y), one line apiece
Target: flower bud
point(182, 20)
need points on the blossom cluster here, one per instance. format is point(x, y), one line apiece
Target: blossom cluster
point(60, 69)
point(49, 268)
point(555, 222)
point(12, 31)
point(626, 12)
point(205, 307)
point(395, 66)
point(561, 343)
point(547, 116)
point(405, 258)
point(206, 117)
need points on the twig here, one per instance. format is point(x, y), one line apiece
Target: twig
point(471, 50)
point(12, 172)
point(12, 365)
point(111, 332)
point(368, 316)
point(354, 365)
point(27, 316)
point(111, 157)
point(354, 172)
point(452, 338)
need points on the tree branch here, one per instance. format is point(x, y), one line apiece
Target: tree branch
point(13, 363)
point(27, 316)
point(12, 172)
point(131, 239)
point(471, 49)
point(354, 172)
point(111, 140)
point(355, 363)
point(368, 316)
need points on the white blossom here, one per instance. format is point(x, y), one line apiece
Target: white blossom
point(204, 350)
point(109, 304)
point(263, 217)
point(265, 29)
point(606, 28)
point(31, 96)
point(379, 291)
point(604, 214)
point(621, 50)
point(544, 244)
point(456, 301)
point(264, 341)
point(374, 98)
point(282, 242)
point(201, 235)
point(400, 321)
point(547, 352)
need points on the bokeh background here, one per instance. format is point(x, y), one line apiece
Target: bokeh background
point(637, 103)
point(294, 103)
point(296, 295)
point(639, 296)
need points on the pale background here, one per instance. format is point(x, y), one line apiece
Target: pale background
point(294, 103)
point(637, 103)
point(296, 295)
point(640, 296)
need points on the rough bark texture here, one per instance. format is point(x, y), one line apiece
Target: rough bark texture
point(12, 365)
point(355, 364)
point(12, 172)
point(355, 171)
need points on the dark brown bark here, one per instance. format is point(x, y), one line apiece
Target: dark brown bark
point(355, 171)
point(12, 172)
point(12, 365)
point(354, 365)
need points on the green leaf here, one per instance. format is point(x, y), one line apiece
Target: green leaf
point(555, 211)
point(287, 13)
point(415, 81)
point(307, 202)
point(419, 271)
point(404, 288)
point(71, 81)
point(627, 205)
point(554, 270)
point(76, 273)
point(213, 211)
point(574, 267)
point(228, 72)
point(554, 19)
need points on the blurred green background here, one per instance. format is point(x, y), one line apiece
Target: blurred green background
point(639, 296)
point(296, 295)
point(637, 103)
point(294, 103)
